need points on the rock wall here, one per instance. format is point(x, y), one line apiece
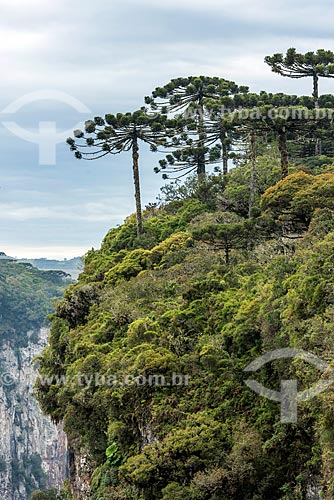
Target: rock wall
point(33, 451)
point(81, 470)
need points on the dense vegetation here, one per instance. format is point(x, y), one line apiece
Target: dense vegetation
point(225, 267)
point(169, 302)
point(25, 298)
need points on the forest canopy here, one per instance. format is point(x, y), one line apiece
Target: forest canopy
point(233, 260)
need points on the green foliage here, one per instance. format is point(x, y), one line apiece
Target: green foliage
point(295, 65)
point(207, 191)
point(25, 298)
point(173, 302)
point(119, 133)
point(224, 230)
point(198, 141)
point(236, 195)
point(63, 494)
point(44, 495)
point(185, 92)
point(293, 201)
point(114, 457)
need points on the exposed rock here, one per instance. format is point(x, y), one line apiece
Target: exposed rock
point(146, 432)
point(33, 451)
point(81, 470)
point(314, 492)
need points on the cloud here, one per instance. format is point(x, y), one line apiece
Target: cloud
point(114, 52)
point(299, 12)
point(86, 212)
point(110, 55)
point(52, 252)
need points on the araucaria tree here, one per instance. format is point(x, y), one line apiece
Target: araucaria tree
point(117, 133)
point(185, 160)
point(283, 123)
point(313, 64)
point(187, 97)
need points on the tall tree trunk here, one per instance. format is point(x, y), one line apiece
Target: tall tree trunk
point(202, 140)
point(283, 149)
point(224, 152)
point(253, 173)
point(316, 90)
point(135, 160)
point(318, 145)
point(227, 252)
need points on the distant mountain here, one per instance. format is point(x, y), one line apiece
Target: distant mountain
point(33, 451)
point(3, 256)
point(69, 266)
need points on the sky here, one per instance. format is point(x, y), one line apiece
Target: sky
point(64, 62)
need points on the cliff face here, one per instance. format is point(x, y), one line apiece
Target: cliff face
point(81, 468)
point(33, 451)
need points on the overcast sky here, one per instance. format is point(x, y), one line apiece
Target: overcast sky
point(108, 54)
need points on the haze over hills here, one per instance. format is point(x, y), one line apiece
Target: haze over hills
point(69, 266)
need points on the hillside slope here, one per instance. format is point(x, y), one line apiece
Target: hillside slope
point(33, 451)
point(155, 337)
